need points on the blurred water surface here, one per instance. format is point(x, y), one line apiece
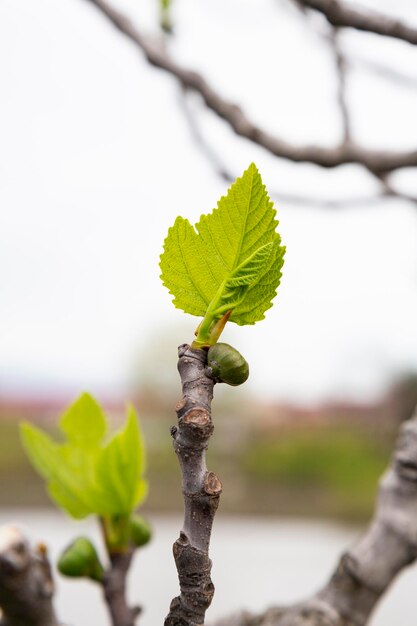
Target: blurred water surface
point(257, 562)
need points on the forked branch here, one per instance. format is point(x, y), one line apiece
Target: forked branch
point(376, 161)
point(367, 569)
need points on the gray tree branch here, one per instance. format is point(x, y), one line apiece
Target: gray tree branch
point(354, 201)
point(201, 491)
point(346, 16)
point(114, 587)
point(376, 161)
point(26, 585)
point(366, 570)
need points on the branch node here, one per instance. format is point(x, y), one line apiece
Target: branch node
point(183, 539)
point(181, 404)
point(198, 417)
point(212, 484)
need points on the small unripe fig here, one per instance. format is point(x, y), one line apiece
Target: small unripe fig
point(80, 559)
point(140, 531)
point(226, 365)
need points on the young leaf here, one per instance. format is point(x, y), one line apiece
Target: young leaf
point(82, 476)
point(84, 422)
point(67, 487)
point(120, 467)
point(230, 262)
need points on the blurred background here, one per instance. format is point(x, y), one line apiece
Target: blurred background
point(100, 151)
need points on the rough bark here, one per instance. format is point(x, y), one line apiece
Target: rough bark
point(26, 585)
point(366, 570)
point(201, 491)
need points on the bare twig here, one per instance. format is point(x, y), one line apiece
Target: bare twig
point(201, 490)
point(388, 191)
point(210, 154)
point(346, 16)
point(365, 571)
point(341, 67)
point(26, 585)
point(114, 586)
point(376, 161)
point(395, 75)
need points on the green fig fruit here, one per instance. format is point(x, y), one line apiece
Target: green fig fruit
point(226, 365)
point(80, 559)
point(140, 531)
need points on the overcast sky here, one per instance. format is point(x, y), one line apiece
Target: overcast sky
point(97, 160)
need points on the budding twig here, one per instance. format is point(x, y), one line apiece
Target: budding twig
point(201, 491)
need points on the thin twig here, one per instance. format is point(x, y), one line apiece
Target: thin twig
point(199, 139)
point(347, 16)
point(341, 68)
point(201, 490)
point(376, 161)
point(390, 192)
point(395, 75)
point(279, 195)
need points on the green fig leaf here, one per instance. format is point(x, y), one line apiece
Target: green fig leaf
point(85, 476)
point(84, 422)
point(120, 467)
point(66, 487)
point(230, 261)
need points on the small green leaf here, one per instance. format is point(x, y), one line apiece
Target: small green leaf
point(141, 492)
point(230, 262)
point(84, 422)
point(67, 500)
point(120, 467)
point(41, 449)
point(67, 487)
point(82, 476)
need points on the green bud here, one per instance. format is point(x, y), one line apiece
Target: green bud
point(80, 559)
point(140, 531)
point(226, 365)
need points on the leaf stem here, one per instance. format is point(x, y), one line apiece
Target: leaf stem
point(210, 329)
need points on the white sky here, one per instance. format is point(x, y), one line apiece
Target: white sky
point(96, 161)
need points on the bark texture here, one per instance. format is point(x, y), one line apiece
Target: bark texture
point(26, 585)
point(201, 491)
point(114, 587)
point(366, 570)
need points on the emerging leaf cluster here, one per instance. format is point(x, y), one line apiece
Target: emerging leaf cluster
point(230, 262)
point(89, 474)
